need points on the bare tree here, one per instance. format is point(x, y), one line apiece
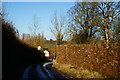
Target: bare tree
point(35, 26)
point(58, 26)
point(37, 39)
point(88, 18)
point(115, 31)
point(107, 13)
point(81, 20)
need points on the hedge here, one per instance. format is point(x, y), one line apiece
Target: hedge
point(94, 57)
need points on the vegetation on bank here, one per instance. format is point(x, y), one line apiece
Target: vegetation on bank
point(94, 57)
point(87, 24)
point(76, 72)
point(16, 55)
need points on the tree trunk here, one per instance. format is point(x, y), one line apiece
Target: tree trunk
point(107, 37)
point(91, 32)
point(106, 32)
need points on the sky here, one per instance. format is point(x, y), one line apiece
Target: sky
point(22, 15)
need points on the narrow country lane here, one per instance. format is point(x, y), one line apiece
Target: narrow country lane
point(53, 73)
point(35, 71)
point(42, 72)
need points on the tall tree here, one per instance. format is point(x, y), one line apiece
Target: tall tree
point(58, 26)
point(107, 13)
point(81, 20)
point(88, 18)
point(36, 39)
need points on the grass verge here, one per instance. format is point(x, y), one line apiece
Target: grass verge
point(76, 72)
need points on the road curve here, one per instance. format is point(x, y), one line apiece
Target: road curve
point(35, 71)
point(53, 73)
point(43, 71)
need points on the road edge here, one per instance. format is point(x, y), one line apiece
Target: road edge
point(44, 67)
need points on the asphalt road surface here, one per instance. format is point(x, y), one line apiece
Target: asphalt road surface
point(43, 71)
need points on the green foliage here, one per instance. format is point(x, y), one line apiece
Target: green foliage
point(48, 46)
